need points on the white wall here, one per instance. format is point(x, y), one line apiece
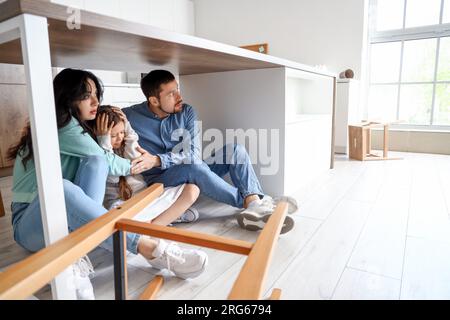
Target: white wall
point(174, 15)
point(314, 32)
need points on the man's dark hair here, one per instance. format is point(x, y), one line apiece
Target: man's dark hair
point(151, 83)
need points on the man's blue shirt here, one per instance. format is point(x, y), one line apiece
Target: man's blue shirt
point(163, 137)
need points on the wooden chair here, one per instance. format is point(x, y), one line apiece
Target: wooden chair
point(360, 146)
point(29, 275)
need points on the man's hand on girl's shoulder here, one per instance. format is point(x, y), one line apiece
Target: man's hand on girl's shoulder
point(144, 162)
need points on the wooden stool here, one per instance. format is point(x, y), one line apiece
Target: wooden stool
point(360, 147)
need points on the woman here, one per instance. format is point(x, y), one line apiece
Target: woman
point(85, 167)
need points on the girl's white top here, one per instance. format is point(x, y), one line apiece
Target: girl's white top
point(136, 182)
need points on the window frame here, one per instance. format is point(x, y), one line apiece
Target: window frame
point(436, 31)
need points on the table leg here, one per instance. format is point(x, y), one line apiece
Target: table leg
point(33, 33)
point(386, 141)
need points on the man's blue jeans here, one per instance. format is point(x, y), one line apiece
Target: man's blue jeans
point(208, 176)
point(83, 198)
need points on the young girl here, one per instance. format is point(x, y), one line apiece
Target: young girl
point(114, 134)
point(85, 167)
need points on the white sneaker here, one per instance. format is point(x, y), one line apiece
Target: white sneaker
point(184, 263)
point(190, 215)
point(82, 269)
point(292, 203)
point(258, 213)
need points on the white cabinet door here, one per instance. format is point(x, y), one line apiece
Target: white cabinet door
point(162, 14)
point(135, 10)
point(71, 3)
point(106, 7)
point(184, 16)
point(307, 152)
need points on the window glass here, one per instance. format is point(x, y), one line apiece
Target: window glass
point(415, 103)
point(442, 105)
point(385, 62)
point(383, 102)
point(389, 14)
point(422, 13)
point(418, 60)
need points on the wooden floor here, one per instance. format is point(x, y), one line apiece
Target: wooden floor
point(365, 230)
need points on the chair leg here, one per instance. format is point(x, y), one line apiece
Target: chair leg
point(276, 294)
point(120, 265)
point(152, 289)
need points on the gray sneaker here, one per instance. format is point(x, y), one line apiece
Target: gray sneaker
point(257, 214)
point(190, 215)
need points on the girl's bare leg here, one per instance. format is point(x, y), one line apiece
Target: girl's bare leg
point(190, 193)
point(146, 247)
point(186, 199)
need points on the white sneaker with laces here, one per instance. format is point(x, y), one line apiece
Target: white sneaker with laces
point(184, 263)
point(292, 203)
point(190, 215)
point(258, 213)
point(82, 269)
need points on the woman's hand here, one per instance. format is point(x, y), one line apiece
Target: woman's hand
point(144, 162)
point(101, 127)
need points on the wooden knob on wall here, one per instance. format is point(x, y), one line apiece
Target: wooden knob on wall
point(347, 74)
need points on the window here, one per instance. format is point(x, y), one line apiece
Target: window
point(409, 65)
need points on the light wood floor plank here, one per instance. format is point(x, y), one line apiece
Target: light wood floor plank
point(426, 272)
point(288, 247)
point(360, 285)
point(443, 167)
point(316, 270)
point(380, 248)
point(428, 215)
point(219, 262)
point(368, 183)
point(322, 203)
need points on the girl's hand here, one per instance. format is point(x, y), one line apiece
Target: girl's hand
point(102, 128)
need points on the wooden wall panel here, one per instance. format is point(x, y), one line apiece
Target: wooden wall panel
point(14, 113)
point(12, 73)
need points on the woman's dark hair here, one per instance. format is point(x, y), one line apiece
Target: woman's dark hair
point(151, 83)
point(125, 190)
point(70, 86)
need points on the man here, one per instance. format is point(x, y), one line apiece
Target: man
point(163, 117)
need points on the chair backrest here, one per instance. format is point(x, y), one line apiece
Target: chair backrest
point(251, 279)
point(29, 275)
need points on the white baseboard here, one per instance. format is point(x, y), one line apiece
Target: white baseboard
point(340, 149)
point(414, 141)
